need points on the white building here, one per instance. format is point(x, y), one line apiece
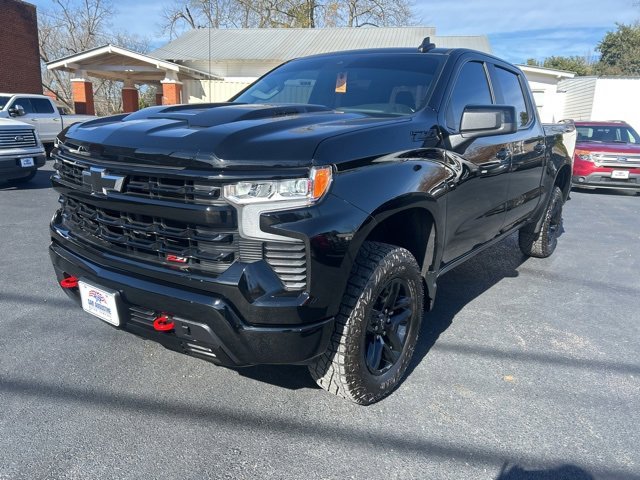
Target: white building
point(602, 98)
point(549, 97)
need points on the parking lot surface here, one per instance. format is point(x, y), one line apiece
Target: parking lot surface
point(526, 369)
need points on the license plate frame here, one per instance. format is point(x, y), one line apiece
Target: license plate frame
point(100, 302)
point(620, 174)
point(27, 162)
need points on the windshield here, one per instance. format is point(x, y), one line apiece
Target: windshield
point(3, 101)
point(607, 134)
point(374, 84)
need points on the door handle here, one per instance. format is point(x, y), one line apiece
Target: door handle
point(33, 119)
point(55, 119)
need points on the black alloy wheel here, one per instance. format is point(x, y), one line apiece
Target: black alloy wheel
point(387, 328)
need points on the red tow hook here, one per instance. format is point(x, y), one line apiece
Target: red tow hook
point(163, 324)
point(69, 282)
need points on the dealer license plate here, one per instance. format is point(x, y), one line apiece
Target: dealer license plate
point(621, 174)
point(27, 162)
point(99, 302)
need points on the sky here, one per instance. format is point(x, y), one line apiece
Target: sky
point(516, 30)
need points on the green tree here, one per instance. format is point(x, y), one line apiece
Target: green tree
point(620, 51)
point(580, 65)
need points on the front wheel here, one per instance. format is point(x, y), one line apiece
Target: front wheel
point(543, 243)
point(377, 327)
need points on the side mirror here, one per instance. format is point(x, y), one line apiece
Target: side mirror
point(488, 120)
point(17, 111)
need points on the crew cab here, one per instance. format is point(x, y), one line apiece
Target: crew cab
point(306, 221)
point(607, 155)
point(21, 152)
point(41, 112)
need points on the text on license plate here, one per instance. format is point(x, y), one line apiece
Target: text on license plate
point(99, 302)
point(620, 174)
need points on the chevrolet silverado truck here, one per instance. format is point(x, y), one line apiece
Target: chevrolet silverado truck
point(607, 155)
point(21, 152)
point(41, 112)
point(306, 221)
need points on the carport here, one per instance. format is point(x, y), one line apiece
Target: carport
point(132, 68)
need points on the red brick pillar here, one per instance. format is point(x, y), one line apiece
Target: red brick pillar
point(171, 93)
point(82, 92)
point(129, 99)
point(159, 98)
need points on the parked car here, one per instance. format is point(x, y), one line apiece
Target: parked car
point(21, 152)
point(607, 155)
point(41, 112)
point(264, 231)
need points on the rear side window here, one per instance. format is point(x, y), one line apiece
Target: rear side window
point(471, 88)
point(42, 105)
point(511, 90)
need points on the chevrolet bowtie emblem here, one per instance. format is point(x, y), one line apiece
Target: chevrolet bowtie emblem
point(102, 182)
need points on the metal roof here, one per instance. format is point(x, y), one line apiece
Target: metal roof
point(280, 44)
point(111, 61)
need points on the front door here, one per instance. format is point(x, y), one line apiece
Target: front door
point(476, 205)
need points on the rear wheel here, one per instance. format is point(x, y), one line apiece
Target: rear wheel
point(377, 327)
point(543, 243)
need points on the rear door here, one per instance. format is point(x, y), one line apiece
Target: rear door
point(476, 205)
point(46, 117)
point(526, 146)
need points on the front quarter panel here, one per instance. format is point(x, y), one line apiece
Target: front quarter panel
point(360, 199)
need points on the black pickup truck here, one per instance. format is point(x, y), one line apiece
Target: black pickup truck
point(307, 220)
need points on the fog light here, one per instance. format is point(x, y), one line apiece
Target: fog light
point(581, 180)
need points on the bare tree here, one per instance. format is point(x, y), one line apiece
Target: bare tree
point(181, 15)
point(72, 26)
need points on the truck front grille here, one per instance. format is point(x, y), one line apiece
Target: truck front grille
point(183, 190)
point(22, 138)
point(200, 247)
point(155, 239)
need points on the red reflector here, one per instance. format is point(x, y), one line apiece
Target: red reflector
point(176, 258)
point(69, 282)
point(163, 324)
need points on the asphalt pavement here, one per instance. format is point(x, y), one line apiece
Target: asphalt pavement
point(526, 369)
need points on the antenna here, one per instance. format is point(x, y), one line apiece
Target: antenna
point(426, 45)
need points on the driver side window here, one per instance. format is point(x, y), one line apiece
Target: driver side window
point(24, 103)
point(471, 88)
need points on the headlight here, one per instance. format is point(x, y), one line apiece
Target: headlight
point(584, 155)
point(256, 197)
point(308, 189)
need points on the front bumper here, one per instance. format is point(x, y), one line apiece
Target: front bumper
point(604, 180)
point(207, 325)
point(10, 167)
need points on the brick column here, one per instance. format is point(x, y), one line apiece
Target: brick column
point(129, 97)
point(82, 92)
point(171, 89)
point(158, 98)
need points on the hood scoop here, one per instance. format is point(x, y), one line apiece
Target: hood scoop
point(213, 115)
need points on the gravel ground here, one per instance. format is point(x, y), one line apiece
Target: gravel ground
point(526, 369)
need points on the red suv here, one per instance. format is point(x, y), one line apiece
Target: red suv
point(607, 155)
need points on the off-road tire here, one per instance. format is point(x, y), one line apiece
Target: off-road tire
point(343, 370)
point(543, 243)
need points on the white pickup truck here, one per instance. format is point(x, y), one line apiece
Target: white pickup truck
point(21, 152)
point(41, 112)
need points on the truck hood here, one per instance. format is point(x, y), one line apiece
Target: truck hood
point(605, 147)
point(6, 123)
point(218, 135)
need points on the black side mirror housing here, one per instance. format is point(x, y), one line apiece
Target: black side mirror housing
point(17, 111)
point(488, 120)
